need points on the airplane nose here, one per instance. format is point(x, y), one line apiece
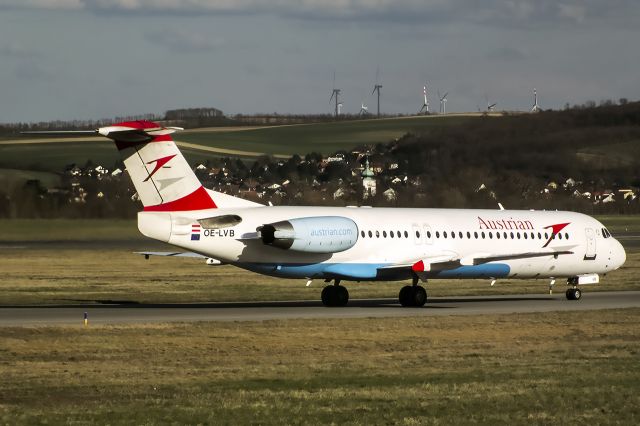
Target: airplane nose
point(619, 255)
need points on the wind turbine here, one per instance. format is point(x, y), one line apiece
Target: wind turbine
point(425, 104)
point(536, 107)
point(334, 94)
point(377, 88)
point(443, 102)
point(490, 107)
point(364, 110)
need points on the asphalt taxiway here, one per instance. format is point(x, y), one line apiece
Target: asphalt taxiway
point(134, 313)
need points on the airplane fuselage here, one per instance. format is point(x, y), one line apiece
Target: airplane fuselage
point(549, 244)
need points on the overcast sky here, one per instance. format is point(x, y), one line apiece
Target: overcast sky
point(90, 59)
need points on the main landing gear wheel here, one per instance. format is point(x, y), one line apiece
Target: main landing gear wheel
point(415, 296)
point(574, 294)
point(335, 295)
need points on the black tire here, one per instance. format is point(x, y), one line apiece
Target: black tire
point(571, 294)
point(405, 295)
point(341, 295)
point(327, 295)
point(419, 296)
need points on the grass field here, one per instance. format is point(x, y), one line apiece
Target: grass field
point(557, 368)
point(283, 140)
point(324, 137)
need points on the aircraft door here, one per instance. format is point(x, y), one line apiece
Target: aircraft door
point(427, 233)
point(417, 237)
point(591, 244)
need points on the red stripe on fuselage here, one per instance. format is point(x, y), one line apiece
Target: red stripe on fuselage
point(197, 200)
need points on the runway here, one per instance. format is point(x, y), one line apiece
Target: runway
point(128, 313)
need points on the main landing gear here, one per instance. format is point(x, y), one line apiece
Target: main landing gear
point(413, 295)
point(335, 294)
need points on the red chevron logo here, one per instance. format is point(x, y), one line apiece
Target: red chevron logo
point(554, 231)
point(159, 163)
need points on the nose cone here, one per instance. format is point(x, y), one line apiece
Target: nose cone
point(618, 255)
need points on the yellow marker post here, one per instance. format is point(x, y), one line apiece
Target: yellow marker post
point(86, 319)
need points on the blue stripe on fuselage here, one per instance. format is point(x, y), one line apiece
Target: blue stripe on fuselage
point(369, 271)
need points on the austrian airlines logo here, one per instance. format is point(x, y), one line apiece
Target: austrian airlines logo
point(555, 229)
point(159, 163)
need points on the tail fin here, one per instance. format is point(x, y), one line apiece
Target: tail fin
point(161, 175)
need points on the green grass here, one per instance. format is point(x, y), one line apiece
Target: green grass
point(287, 140)
point(10, 179)
point(52, 230)
point(323, 137)
point(556, 368)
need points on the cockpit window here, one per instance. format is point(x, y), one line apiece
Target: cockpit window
point(606, 233)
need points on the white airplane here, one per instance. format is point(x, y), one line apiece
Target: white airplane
point(354, 243)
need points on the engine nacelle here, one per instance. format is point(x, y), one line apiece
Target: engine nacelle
point(322, 234)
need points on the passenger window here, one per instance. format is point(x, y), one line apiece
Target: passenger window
point(533, 236)
point(460, 234)
point(518, 235)
point(524, 234)
point(362, 234)
point(468, 235)
point(497, 235)
point(475, 235)
point(406, 234)
point(560, 236)
point(566, 236)
point(391, 233)
point(370, 234)
point(490, 235)
point(428, 234)
point(417, 234)
point(437, 234)
point(539, 236)
point(384, 234)
point(453, 234)
point(546, 236)
point(377, 234)
point(512, 235)
point(482, 233)
point(444, 234)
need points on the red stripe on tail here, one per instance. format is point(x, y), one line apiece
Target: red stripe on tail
point(197, 200)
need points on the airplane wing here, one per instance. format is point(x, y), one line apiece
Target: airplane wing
point(451, 260)
point(210, 260)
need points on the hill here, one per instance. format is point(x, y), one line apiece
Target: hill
point(50, 154)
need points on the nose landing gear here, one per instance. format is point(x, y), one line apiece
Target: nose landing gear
point(574, 294)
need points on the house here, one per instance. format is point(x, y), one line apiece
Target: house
point(390, 195)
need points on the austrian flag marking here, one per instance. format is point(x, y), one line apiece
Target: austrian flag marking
point(195, 232)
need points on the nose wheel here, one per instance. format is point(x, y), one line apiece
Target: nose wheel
point(574, 294)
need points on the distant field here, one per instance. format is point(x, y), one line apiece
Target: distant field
point(521, 369)
point(323, 137)
point(280, 140)
point(11, 178)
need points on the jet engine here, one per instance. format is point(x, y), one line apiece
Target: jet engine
point(322, 234)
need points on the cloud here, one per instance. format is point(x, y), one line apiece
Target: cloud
point(183, 41)
point(506, 54)
point(15, 50)
point(530, 13)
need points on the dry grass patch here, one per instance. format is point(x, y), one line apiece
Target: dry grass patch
point(554, 368)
